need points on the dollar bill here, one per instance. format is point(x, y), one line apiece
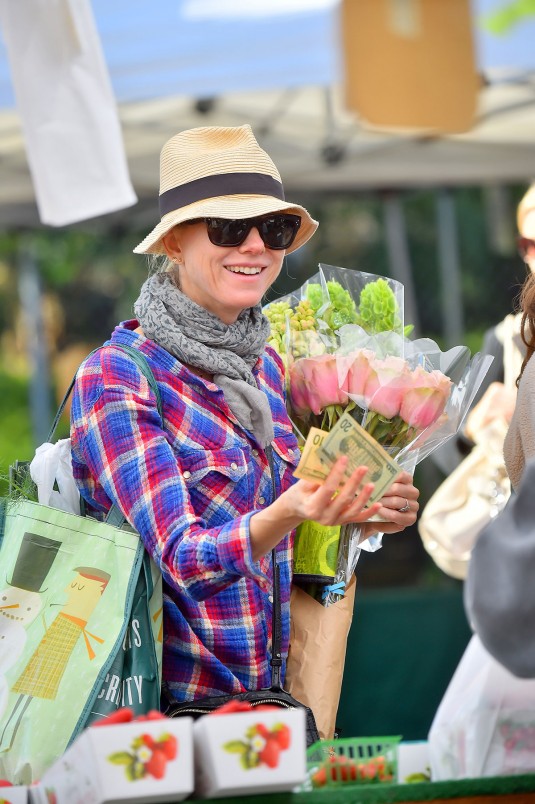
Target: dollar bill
point(349, 438)
point(310, 466)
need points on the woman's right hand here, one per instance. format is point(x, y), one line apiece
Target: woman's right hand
point(329, 503)
point(333, 502)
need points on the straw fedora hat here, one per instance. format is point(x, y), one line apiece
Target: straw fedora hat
point(221, 173)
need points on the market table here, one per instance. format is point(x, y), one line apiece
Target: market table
point(493, 790)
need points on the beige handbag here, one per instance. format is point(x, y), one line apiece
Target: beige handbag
point(465, 502)
point(477, 490)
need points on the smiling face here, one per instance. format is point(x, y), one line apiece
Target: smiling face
point(19, 605)
point(223, 280)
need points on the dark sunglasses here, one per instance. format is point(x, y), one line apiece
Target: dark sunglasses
point(526, 247)
point(277, 231)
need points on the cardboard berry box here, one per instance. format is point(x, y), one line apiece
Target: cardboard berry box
point(249, 752)
point(140, 761)
point(14, 795)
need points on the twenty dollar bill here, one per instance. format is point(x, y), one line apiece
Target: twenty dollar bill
point(349, 438)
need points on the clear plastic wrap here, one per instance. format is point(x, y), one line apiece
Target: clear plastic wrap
point(346, 348)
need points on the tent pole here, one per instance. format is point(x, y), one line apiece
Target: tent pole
point(450, 273)
point(398, 255)
point(30, 295)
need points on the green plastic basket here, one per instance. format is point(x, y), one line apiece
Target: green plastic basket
point(352, 760)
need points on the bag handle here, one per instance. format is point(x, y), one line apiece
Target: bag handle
point(143, 365)
point(115, 516)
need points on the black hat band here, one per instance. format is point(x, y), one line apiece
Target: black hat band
point(220, 184)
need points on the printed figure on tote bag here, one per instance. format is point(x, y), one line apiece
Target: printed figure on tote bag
point(79, 583)
point(21, 601)
point(208, 483)
point(42, 675)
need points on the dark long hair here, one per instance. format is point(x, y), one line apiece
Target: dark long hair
point(527, 326)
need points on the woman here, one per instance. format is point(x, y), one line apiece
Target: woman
point(519, 444)
point(197, 486)
point(504, 341)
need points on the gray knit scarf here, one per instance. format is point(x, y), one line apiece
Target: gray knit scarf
point(201, 340)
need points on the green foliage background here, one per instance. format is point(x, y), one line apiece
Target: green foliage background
point(92, 277)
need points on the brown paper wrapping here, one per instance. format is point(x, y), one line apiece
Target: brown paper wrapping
point(315, 667)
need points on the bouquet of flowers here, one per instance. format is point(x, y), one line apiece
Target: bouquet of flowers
point(346, 349)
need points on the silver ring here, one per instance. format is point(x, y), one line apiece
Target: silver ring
point(405, 508)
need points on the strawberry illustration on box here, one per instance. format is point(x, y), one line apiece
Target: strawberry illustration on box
point(261, 746)
point(267, 752)
point(142, 760)
point(148, 756)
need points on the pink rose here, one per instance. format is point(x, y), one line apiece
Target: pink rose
point(314, 384)
point(426, 398)
point(359, 373)
point(387, 385)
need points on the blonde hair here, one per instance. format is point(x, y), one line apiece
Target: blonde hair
point(159, 264)
point(527, 204)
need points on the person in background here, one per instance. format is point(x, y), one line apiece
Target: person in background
point(495, 400)
point(519, 444)
point(499, 593)
point(499, 396)
point(197, 484)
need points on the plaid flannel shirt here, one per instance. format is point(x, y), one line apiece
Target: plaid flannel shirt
point(189, 486)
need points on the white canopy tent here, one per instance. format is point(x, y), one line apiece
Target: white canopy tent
point(174, 64)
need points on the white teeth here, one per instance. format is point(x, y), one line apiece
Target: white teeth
point(238, 269)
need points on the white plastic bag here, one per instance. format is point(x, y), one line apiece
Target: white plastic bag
point(485, 724)
point(52, 467)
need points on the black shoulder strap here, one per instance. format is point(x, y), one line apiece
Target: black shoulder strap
point(276, 628)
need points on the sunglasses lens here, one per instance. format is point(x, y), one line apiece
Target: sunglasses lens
point(223, 232)
point(277, 231)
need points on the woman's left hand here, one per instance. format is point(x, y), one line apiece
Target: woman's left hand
point(399, 507)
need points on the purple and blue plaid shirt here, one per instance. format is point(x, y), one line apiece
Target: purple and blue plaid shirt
point(189, 486)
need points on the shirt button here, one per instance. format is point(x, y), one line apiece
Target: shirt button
point(270, 598)
point(233, 465)
point(186, 474)
point(255, 453)
point(261, 500)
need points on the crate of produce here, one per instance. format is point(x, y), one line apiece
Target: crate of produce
point(352, 760)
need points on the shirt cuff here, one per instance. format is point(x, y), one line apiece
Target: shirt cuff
point(234, 552)
point(372, 543)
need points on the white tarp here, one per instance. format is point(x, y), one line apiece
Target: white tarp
point(67, 109)
point(276, 65)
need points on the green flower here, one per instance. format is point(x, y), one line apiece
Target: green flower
point(378, 309)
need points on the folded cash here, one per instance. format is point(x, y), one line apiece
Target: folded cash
point(310, 466)
point(349, 438)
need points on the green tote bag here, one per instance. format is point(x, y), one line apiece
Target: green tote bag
point(80, 627)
